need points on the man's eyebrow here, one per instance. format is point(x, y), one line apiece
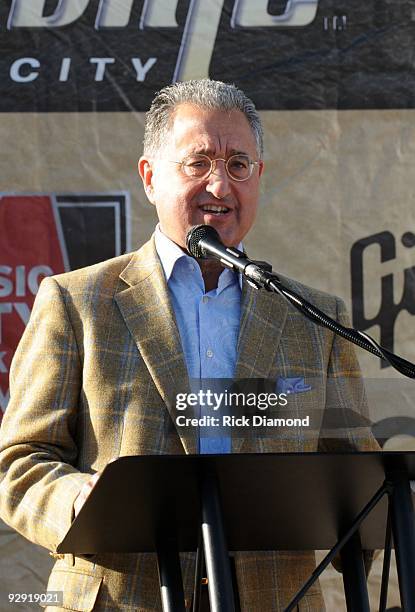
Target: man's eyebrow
point(211, 152)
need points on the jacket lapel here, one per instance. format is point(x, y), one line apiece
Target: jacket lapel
point(146, 308)
point(263, 316)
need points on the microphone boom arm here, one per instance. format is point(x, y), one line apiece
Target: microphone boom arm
point(204, 241)
point(317, 316)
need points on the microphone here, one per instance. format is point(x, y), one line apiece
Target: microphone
point(203, 242)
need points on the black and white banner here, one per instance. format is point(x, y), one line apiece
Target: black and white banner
point(112, 55)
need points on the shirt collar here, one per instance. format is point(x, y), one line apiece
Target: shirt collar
point(169, 253)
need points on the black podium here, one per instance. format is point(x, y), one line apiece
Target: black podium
point(292, 501)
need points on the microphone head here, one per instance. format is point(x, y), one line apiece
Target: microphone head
point(195, 235)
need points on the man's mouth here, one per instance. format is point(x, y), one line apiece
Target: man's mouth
point(215, 210)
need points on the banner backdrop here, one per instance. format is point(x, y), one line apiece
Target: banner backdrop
point(335, 85)
point(110, 55)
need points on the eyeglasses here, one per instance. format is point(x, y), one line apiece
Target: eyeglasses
point(199, 166)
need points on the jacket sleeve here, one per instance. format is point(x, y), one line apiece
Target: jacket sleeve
point(38, 449)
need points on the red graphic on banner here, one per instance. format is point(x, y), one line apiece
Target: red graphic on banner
point(29, 251)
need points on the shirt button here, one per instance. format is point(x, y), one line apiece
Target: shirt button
point(205, 299)
point(209, 353)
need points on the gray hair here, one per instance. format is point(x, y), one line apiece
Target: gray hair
point(204, 93)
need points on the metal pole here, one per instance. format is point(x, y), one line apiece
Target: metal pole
point(386, 564)
point(338, 546)
point(198, 575)
point(354, 575)
point(221, 595)
point(403, 528)
point(171, 582)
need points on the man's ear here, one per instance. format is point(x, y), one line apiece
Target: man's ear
point(145, 171)
point(261, 167)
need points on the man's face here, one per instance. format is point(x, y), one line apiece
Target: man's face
point(180, 200)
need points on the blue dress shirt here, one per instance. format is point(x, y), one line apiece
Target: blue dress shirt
point(208, 324)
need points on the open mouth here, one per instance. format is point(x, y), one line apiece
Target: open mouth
point(212, 209)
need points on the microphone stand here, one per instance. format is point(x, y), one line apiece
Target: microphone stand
point(260, 277)
point(204, 241)
point(397, 484)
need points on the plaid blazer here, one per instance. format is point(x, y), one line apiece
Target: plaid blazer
point(91, 381)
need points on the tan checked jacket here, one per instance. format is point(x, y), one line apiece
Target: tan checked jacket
point(91, 381)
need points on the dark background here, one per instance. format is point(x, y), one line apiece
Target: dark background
point(368, 65)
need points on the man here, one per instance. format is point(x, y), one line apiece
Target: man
point(93, 374)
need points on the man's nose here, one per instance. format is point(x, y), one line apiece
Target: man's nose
point(219, 183)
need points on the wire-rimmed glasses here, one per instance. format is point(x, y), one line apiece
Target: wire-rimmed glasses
point(238, 167)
